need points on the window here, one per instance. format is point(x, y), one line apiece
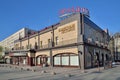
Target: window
point(56, 40)
point(35, 37)
point(22, 47)
point(40, 44)
point(49, 41)
point(30, 46)
point(26, 46)
point(36, 45)
point(96, 38)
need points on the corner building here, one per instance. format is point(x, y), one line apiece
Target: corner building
point(73, 42)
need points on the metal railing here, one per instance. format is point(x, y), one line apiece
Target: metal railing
point(66, 42)
point(46, 46)
point(60, 43)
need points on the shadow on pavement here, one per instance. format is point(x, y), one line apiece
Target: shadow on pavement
point(97, 72)
point(118, 78)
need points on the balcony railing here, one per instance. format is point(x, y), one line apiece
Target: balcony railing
point(46, 46)
point(66, 42)
point(96, 42)
point(61, 43)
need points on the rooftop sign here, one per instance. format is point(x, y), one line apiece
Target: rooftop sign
point(69, 11)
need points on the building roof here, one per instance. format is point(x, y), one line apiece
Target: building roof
point(116, 35)
point(93, 25)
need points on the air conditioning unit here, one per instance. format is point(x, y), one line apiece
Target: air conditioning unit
point(89, 40)
point(105, 46)
point(97, 42)
point(102, 44)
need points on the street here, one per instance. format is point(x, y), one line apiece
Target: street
point(10, 72)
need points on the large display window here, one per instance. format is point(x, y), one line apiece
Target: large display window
point(66, 59)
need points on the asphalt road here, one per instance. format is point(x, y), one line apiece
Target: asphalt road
point(47, 73)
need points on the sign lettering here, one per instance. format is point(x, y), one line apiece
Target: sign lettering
point(66, 12)
point(67, 28)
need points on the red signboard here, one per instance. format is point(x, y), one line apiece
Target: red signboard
point(74, 10)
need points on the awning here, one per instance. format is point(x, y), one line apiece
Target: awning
point(18, 54)
point(7, 57)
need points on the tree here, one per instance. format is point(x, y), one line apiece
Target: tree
point(1, 50)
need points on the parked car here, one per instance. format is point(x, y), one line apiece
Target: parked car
point(115, 63)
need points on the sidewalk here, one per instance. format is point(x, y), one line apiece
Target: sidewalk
point(47, 73)
point(53, 69)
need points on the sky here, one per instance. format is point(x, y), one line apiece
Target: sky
point(38, 14)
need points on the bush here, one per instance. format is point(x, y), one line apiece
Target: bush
point(2, 62)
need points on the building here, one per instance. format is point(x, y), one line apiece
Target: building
point(112, 48)
point(75, 41)
point(116, 46)
point(8, 43)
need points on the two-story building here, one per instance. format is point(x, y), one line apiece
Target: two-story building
point(75, 41)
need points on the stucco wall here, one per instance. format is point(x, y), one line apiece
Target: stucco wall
point(46, 52)
point(65, 50)
point(65, 34)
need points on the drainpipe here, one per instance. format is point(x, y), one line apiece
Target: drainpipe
point(79, 54)
point(38, 40)
point(83, 46)
point(52, 45)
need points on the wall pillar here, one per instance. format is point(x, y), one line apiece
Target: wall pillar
point(81, 57)
point(51, 59)
point(31, 58)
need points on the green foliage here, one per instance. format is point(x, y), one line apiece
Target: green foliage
point(1, 48)
point(0, 57)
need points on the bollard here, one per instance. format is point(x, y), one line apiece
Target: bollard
point(33, 70)
point(53, 73)
point(68, 75)
point(10, 66)
point(15, 67)
point(43, 72)
point(21, 68)
point(28, 69)
point(98, 66)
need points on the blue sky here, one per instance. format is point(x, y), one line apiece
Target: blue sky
point(37, 14)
